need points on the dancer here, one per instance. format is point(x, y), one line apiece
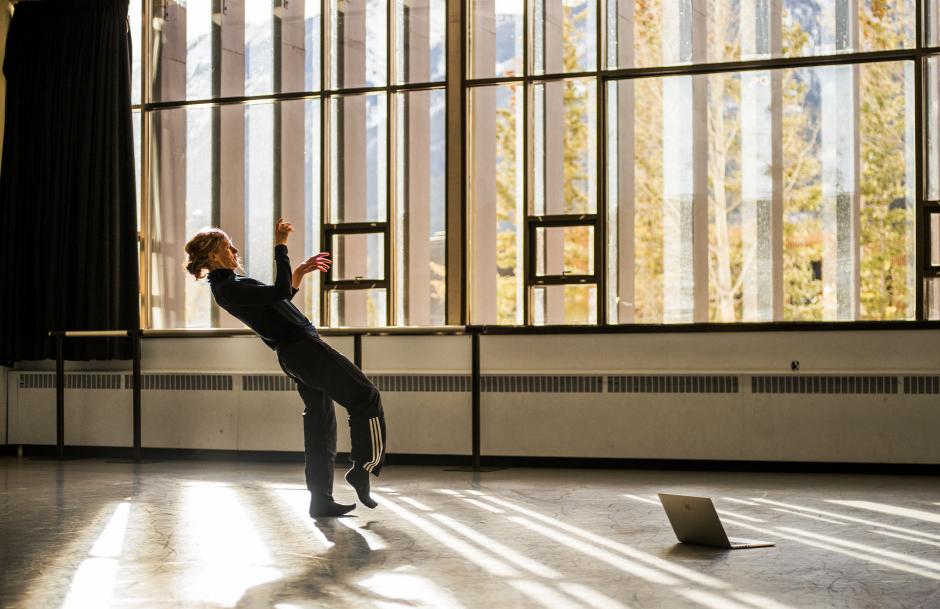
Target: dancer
point(321, 373)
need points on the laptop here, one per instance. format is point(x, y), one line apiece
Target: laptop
point(695, 520)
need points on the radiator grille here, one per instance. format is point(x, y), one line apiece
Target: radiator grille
point(824, 384)
point(182, 382)
point(267, 382)
point(663, 383)
point(515, 383)
point(921, 384)
point(536, 383)
point(442, 383)
point(72, 381)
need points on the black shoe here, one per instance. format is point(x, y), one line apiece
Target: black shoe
point(329, 509)
point(358, 478)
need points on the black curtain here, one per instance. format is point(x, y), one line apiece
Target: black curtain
point(68, 240)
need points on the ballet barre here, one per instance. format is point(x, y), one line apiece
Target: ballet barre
point(60, 336)
point(357, 333)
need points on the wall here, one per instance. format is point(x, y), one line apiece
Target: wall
point(743, 425)
point(724, 395)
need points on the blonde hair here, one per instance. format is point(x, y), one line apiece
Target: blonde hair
point(205, 242)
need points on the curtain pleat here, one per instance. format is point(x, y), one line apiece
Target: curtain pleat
point(68, 241)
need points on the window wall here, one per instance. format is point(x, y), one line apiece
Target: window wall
point(679, 161)
point(329, 114)
point(625, 162)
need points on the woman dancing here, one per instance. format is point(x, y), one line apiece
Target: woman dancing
point(321, 373)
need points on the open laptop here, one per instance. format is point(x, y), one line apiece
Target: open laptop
point(695, 520)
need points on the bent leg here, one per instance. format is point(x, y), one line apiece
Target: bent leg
point(315, 364)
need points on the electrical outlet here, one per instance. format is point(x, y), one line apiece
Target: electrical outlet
point(795, 365)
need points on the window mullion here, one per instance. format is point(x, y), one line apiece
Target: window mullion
point(921, 229)
point(391, 203)
point(325, 135)
point(526, 159)
point(600, 179)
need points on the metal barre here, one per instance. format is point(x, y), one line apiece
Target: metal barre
point(60, 336)
point(93, 333)
point(356, 333)
point(336, 331)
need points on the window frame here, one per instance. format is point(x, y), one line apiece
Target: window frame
point(457, 53)
point(361, 283)
point(533, 223)
point(604, 76)
point(325, 94)
point(930, 210)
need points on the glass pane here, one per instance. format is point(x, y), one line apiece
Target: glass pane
point(565, 33)
point(932, 129)
point(421, 209)
point(251, 47)
point(420, 56)
point(496, 35)
point(564, 250)
point(358, 256)
point(297, 30)
point(564, 304)
point(312, 19)
point(932, 23)
point(297, 190)
point(358, 146)
point(259, 185)
point(740, 199)
point(801, 179)
point(219, 167)
point(672, 32)
point(358, 308)
point(619, 251)
point(495, 197)
point(182, 199)
point(934, 229)
point(358, 43)
point(932, 298)
point(885, 149)
point(135, 23)
point(564, 151)
point(310, 203)
point(136, 126)
point(651, 193)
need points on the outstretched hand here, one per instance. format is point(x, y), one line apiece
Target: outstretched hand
point(320, 262)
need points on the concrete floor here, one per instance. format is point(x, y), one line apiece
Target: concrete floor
point(92, 533)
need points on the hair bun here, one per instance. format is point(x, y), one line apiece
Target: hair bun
point(200, 247)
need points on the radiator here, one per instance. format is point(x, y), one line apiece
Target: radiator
point(800, 417)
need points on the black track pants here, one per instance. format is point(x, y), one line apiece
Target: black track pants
point(323, 375)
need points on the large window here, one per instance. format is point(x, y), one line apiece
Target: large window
point(722, 161)
point(258, 109)
point(794, 199)
point(623, 162)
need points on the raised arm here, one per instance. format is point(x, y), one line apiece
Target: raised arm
point(256, 293)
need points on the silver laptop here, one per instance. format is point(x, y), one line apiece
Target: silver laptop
point(695, 520)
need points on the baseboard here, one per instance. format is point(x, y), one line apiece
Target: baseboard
point(268, 456)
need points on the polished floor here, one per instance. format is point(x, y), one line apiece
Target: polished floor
point(97, 534)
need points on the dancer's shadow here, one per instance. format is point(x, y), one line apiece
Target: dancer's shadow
point(332, 578)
